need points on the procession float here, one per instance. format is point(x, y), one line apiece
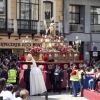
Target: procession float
point(52, 50)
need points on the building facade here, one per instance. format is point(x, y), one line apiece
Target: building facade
point(82, 19)
point(19, 18)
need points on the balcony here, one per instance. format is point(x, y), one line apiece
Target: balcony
point(27, 26)
point(95, 28)
point(6, 25)
point(76, 28)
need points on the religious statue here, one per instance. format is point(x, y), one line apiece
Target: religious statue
point(51, 29)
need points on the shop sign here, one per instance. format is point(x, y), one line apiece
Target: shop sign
point(5, 44)
point(95, 54)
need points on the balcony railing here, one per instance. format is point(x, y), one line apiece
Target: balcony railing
point(27, 26)
point(95, 28)
point(6, 25)
point(76, 28)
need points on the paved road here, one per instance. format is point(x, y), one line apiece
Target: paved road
point(56, 96)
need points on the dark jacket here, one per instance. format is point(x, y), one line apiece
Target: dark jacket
point(27, 75)
point(52, 74)
point(60, 75)
point(4, 74)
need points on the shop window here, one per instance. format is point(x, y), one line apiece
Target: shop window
point(28, 9)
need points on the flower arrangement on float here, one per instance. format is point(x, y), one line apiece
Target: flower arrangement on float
point(65, 49)
point(39, 52)
point(35, 50)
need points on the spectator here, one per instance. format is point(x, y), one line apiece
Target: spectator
point(7, 94)
point(91, 72)
point(2, 85)
point(24, 94)
point(81, 78)
point(93, 82)
point(4, 73)
point(16, 88)
point(69, 70)
point(17, 96)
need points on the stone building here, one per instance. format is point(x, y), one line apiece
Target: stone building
point(82, 19)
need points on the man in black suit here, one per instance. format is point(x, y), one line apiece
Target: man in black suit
point(27, 77)
point(52, 78)
point(4, 73)
point(58, 75)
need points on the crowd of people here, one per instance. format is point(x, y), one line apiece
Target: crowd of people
point(9, 78)
point(11, 92)
point(10, 69)
point(78, 76)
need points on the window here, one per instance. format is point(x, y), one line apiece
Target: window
point(28, 9)
point(74, 14)
point(3, 13)
point(95, 15)
point(47, 10)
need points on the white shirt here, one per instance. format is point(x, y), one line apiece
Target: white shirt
point(7, 95)
point(18, 98)
point(14, 95)
point(1, 94)
point(79, 74)
point(91, 72)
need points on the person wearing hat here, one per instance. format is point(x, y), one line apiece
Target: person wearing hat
point(74, 79)
point(58, 75)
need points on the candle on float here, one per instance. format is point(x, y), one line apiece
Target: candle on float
point(41, 40)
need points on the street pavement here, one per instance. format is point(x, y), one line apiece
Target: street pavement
point(56, 96)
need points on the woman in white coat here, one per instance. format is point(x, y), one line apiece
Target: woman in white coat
point(37, 84)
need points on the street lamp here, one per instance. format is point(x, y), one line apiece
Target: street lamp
point(26, 43)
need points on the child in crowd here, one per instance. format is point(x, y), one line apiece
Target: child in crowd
point(24, 94)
